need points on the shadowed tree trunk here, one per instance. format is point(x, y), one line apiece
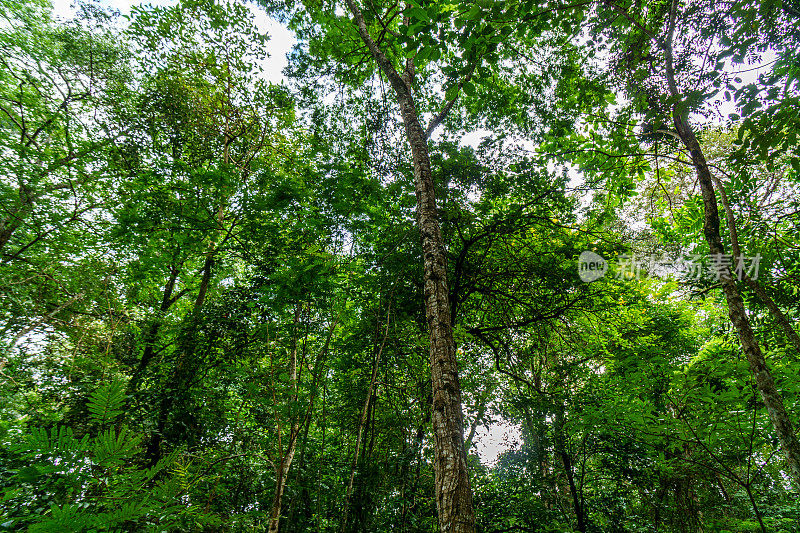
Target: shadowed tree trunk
point(566, 461)
point(285, 455)
point(363, 420)
point(152, 332)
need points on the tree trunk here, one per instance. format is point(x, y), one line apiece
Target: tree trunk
point(282, 473)
point(686, 512)
point(736, 311)
point(566, 461)
point(152, 332)
point(184, 372)
point(285, 463)
point(755, 508)
point(363, 421)
point(777, 314)
point(453, 491)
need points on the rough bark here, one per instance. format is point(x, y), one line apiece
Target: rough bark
point(765, 383)
point(453, 492)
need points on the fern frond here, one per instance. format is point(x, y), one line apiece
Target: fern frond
point(105, 404)
point(112, 448)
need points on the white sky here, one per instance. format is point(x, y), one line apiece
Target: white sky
point(498, 438)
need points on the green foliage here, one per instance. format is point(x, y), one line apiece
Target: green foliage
point(200, 269)
point(92, 482)
point(107, 402)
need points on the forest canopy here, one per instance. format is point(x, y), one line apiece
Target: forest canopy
point(237, 299)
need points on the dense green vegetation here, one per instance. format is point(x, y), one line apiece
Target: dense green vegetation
point(228, 304)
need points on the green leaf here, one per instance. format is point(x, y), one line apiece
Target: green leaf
point(28, 474)
point(424, 53)
point(419, 14)
point(469, 89)
point(474, 13)
point(106, 403)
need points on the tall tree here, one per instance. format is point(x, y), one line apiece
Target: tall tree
point(658, 63)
